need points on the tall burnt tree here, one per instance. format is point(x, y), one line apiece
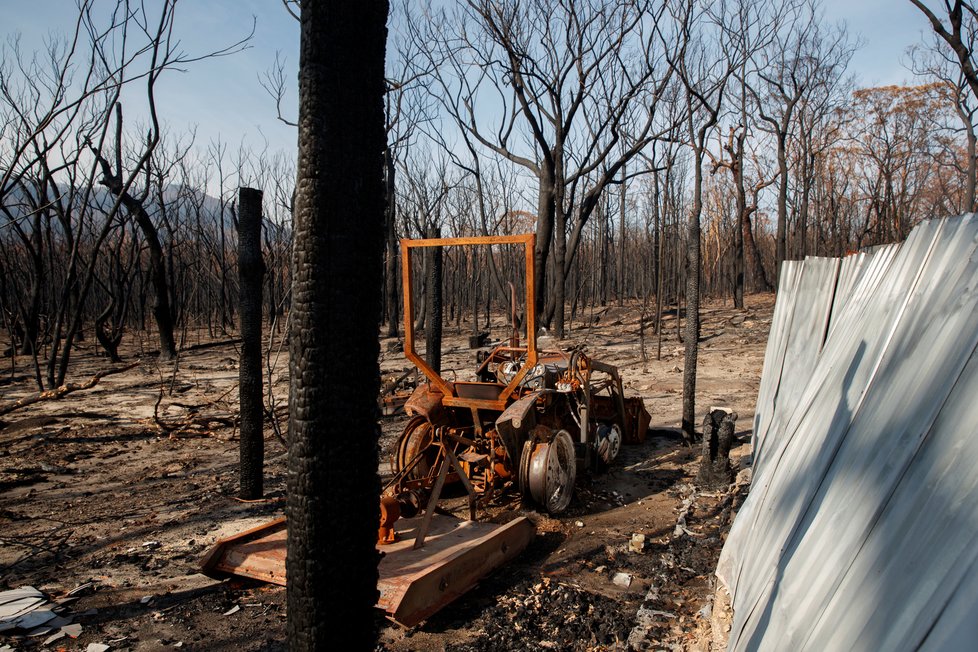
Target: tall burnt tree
point(333, 486)
point(433, 302)
point(250, 272)
point(727, 36)
point(804, 59)
point(579, 83)
point(114, 180)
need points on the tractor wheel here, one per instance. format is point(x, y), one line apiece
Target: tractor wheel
point(548, 470)
point(416, 440)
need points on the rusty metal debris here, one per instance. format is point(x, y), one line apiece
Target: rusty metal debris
point(525, 424)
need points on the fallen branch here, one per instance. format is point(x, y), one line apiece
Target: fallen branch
point(211, 345)
point(61, 392)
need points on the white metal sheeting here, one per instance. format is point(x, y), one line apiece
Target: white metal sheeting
point(859, 530)
point(801, 328)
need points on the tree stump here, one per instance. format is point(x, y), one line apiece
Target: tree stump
point(718, 434)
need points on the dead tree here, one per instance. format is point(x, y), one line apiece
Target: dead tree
point(718, 436)
point(705, 70)
point(135, 205)
point(333, 488)
point(251, 270)
point(555, 67)
point(958, 33)
point(800, 54)
point(433, 303)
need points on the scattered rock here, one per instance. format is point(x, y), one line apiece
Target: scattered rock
point(74, 630)
point(54, 637)
point(637, 543)
point(622, 579)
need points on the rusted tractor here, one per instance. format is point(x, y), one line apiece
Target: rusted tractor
point(529, 421)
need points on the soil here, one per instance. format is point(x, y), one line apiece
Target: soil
point(121, 488)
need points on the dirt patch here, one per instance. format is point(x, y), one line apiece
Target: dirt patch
point(92, 490)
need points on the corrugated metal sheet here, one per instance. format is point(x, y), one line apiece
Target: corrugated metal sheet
point(804, 326)
point(859, 531)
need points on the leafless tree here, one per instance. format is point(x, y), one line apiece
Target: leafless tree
point(802, 54)
point(938, 61)
point(578, 83)
point(959, 32)
point(724, 36)
point(333, 486)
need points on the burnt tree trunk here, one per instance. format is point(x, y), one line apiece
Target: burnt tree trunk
point(692, 333)
point(251, 269)
point(333, 488)
point(433, 304)
point(738, 171)
point(390, 213)
point(162, 312)
point(754, 256)
point(718, 436)
point(157, 274)
point(780, 240)
point(621, 240)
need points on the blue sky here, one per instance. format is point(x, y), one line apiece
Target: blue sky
point(222, 97)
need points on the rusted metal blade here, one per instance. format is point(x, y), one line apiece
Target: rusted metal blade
point(413, 584)
point(258, 553)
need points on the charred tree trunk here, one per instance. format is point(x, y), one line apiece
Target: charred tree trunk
point(738, 170)
point(693, 258)
point(433, 304)
point(559, 279)
point(104, 333)
point(333, 488)
point(157, 263)
point(718, 436)
point(780, 247)
point(390, 213)
point(754, 256)
point(251, 269)
point(621, 240)
point(545, 230)
point(162, 313)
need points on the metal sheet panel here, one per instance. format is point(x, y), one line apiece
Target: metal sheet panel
point(861, 520)
point(803, 331)
point(777, 343)
point(773, 409)
point(784, 486)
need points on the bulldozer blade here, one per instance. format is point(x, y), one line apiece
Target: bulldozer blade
point(413, 584)
point(258, 553)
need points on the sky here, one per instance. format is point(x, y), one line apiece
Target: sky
point(222, 97)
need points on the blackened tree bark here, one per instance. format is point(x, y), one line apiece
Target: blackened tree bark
point(718, 436)
point(693, 272)
point(134, 205)
point(251, 270)
point(433, 304)
point(390, 275)
point(333, 488)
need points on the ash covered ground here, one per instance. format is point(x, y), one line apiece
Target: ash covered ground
point(97, 498)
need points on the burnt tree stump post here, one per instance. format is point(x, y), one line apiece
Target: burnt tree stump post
point(718, 434)
point(251, 270)
point(433, 304)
